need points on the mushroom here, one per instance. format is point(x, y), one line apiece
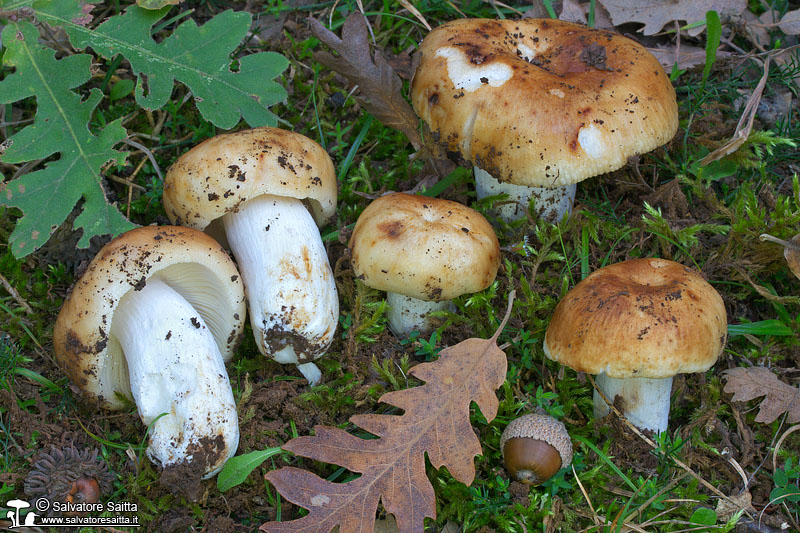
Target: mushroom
point(423, 252)
point(636, 324)
point(535, 447)
point(154, 316)
point(263, 192)
point(538, 105)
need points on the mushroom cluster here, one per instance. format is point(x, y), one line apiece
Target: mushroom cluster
point(155, 316)
point(635, 325)
point(424, 252)
point(262, 192)
point(538, 105)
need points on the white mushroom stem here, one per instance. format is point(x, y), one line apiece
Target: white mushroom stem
point(176, 370)
point(550, 203)
point(645, 402)
point(289, 283)
point(407, 314)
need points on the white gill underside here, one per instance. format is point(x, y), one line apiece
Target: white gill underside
point(549, 203)
point(176, 370)
point(645, 402)
point(289, 283)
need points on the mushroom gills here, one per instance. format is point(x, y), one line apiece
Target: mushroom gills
point(407, 314)
point(645, 401)
point(289, 283)
point(177, 377)
point(552, 204)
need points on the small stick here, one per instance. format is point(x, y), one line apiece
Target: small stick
point(14, 294)
point(786, 244)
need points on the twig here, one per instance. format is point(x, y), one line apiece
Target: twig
point(786, 244)
point(14, 294)
point(148, 153)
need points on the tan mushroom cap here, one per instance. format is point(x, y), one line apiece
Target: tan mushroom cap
point(541, 102)
point(541, 427)
point(426, 248)
point(221, 173)
point(643, 318)
point(189, 261)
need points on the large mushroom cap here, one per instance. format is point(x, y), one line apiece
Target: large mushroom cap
point(642, 318)
point(220, 174)
point(426, 248)
point(541, 102)
point(189, 261)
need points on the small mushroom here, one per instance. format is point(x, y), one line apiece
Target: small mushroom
point(535, 447)
point(263, 192)
point(636, 324)
point(538, 105)
point(424, 252)
point(154, 317)
point(68, 475)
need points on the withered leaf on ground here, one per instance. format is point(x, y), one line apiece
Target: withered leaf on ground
point(435, 421)
point(790, 23)
point(687, 56)
point(655, 14)
point(754, 382)
point(378, 82)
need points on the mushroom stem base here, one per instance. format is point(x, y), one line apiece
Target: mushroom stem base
point(178, 379)
point(645, 402)
point(550, 203)
point(408, 314)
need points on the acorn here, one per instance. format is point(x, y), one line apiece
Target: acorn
point(535, 447)
point(69, 476)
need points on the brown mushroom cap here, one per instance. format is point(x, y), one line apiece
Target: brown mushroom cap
point(223, 172)
point(426, 248)
point(541, 102)
point(189, 261)
point(540, 427)
point(642, 318)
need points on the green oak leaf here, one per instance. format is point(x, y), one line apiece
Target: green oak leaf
point(48, 195)
point(198, 56)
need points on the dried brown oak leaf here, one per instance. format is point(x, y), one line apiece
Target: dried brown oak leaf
point(379, 84)
point(754, 382)
point(655, 14)
point(435, 422)
point(791, 251)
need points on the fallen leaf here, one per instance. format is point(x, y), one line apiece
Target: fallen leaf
point(754, 382)
point(790, 23)
point(574, 11)
point(686, 56)
point(791, 251)
point(435, 421)
point(737, 502)
point(655, 14)
point(378, 83)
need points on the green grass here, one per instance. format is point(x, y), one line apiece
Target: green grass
point(727, 206)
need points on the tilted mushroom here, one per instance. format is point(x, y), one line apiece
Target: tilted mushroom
point(538, 105)
point(155, 316)
point(424, 252)
point(636, 324)
point(265, 190)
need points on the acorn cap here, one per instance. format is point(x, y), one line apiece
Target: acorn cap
point(426, 248)
point(644, 318)
point(220, 174)
point(189, 261)
point(541, 102)
point(544, 428)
